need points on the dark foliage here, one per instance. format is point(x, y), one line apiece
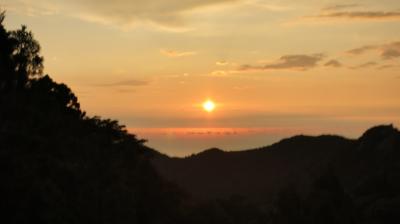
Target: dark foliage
point(58, 165)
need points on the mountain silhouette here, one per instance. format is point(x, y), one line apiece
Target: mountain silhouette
point(297, 161)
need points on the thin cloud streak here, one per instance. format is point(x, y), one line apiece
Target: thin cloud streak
point(383, 67)
point(363, 15)
point(125, 14)
point(365, 65)
point(333, 63)
point(126, 83)
point(362, 50)
point(177, 54)
point(299, 62)
point(386, 51)
point(340, 7)
point(222, 63)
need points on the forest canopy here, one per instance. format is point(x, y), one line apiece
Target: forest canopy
point(59, 165)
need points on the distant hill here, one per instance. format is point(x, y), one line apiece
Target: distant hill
point(259, 174)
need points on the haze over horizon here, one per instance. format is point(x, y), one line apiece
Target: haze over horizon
point(273, 68)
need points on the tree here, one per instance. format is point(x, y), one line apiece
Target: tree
point(27, 61)
point(6, 52)
point(60, 94)
point(20, 60)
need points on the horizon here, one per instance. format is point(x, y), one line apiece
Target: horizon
point(268, 69)
point(191, 141)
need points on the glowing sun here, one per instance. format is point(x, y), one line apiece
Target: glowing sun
point(209, 105)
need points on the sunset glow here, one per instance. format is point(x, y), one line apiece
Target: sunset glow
point(209, 106)
point(327, 66)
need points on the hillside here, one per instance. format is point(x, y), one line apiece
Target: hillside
point(298, 161)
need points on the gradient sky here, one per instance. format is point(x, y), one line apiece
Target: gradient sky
point(274, 68)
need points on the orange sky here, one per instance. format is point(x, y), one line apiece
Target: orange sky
point(273, 67)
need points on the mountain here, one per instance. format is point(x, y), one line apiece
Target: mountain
point(259, 174)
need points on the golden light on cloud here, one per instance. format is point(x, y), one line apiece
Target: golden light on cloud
point(209, 106)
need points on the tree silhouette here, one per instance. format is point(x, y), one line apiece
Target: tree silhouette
point(60, 94)
point(58, 165)
point(6, 51)
point(27, 61)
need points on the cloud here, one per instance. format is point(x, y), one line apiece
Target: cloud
point(365, 65)
point(362, 50)
point(275, 7)
point(383, 67)
point(177, 54)
point(299, 62)
point(222, 63)
point(345, 12)
point(386, 51)
point(122, 13)
point(391, 52)
point(30, 8)
point(359, 15)
point(333, 63)
point(337, 13)
point(126, 83)
point(220, 73)
point(340, 7)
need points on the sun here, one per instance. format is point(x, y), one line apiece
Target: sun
point(209, 105)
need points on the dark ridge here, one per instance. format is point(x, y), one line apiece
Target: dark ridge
point(306, 139)
point(377, 137)
point(261, 172)
point(378, 133)
point(209, 152)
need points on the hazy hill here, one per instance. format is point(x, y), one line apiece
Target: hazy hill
point(297, 161)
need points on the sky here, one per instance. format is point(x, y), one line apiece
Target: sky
point(273, 68)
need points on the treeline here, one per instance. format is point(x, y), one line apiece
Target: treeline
point(58, 165)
